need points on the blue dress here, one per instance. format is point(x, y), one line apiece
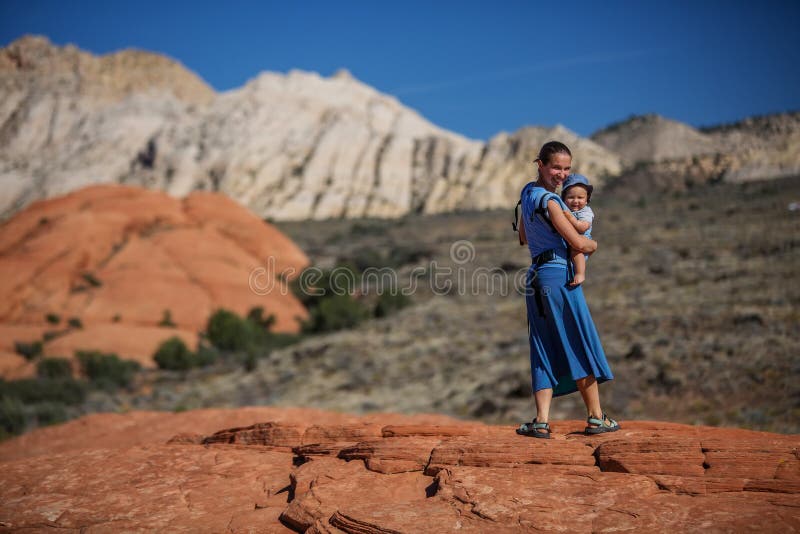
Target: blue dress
point(563, 339)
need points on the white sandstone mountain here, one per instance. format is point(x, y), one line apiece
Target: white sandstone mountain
point(293, 146)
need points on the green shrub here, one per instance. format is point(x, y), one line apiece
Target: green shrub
point(228, 331)
point(256, 315)
point(107, 371)
point(52, 334)
point(54, 368)
point(389, 303)
point(32, 390)
point(75, 322)
point(28, 350)
point(12, 416)
point(166, 320)
point(206, 355)
point(173, 354)
point(50, 413)
point(336, 312)
point(53, 318)
point(327, 310)
point(323, 284)
point(250, 362)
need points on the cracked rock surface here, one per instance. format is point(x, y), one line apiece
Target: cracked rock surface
point(284, 469)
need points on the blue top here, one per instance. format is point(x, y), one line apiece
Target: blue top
point(541, 236)
point(585, 214)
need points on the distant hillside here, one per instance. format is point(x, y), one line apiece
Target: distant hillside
point(654, 138)
point(664, 154)
point(294, 146)
point(107, 266)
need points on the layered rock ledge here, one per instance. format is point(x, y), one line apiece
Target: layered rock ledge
point(283, 470)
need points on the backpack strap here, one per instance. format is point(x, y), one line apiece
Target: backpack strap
point(519, 202)
point(541, 210)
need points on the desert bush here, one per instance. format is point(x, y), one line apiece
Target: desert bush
point(49, 335)
point(29, 350)
point(228, 331)
point(336, 312)
point(49, 413)
point(389, 303)
point(166, 320)
point(107, 371)
point(75, 322)
point(33, 390)
point(12, 416)
point(54, 368)
point(328, 310)
point(206, 355)
point(53, 318)
point(256, 315)
point(174, 355)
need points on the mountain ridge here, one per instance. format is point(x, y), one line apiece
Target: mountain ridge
point(301, 146)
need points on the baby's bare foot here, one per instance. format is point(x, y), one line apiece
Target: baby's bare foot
point(577, 280)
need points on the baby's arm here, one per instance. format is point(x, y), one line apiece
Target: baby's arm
point(580, 226)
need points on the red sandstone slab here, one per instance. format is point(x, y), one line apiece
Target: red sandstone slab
point(322, 486)
point(432, 515)
point(702, 485)
point(392, 455)
point(763, 457)
point(112, 430)
point(664, 456)
point(270, 434)
point(505, 449)
point(162, 487)
point(355, 432)
point(442, 431)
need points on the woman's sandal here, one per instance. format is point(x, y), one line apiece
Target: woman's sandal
point(534, 430)
point(601, 427)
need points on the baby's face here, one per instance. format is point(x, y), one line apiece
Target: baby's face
point(576, 198)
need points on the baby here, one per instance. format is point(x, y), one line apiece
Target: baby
point(576, 192)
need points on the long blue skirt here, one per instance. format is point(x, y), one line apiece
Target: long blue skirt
point(563, 339)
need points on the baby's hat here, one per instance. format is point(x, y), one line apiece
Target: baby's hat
point(577, 179)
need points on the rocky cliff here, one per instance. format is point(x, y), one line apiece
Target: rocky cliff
point(107, 266)
point(284, 470)
point(662, 154)
point(293, 146)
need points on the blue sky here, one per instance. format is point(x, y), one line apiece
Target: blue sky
point(476, 68)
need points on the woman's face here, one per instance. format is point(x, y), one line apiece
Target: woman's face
point(553, 173)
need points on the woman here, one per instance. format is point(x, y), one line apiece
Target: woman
point(566, 354)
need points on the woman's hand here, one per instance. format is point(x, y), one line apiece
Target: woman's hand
point(562, 225)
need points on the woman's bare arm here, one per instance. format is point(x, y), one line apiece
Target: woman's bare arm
point(562, 225)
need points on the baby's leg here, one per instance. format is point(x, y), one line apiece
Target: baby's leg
point(579, 265)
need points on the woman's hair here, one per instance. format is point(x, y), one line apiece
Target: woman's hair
point(549, 149)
